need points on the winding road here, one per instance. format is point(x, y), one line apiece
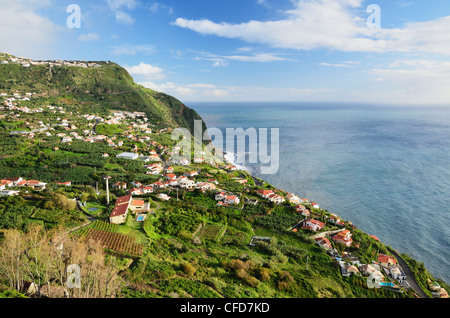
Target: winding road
point(409, 275)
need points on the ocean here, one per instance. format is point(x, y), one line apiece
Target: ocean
point(384, 168)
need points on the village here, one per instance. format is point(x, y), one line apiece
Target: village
point(136, 141)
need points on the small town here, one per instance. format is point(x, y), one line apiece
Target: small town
point(112, 176)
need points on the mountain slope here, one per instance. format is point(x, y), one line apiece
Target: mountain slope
point(107, 86)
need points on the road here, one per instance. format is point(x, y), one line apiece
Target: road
point(410, 276)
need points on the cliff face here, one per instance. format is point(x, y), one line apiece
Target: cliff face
point(105, 86)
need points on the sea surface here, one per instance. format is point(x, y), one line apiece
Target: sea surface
point(384, 168)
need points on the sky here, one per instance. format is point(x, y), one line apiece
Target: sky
point(374, 51)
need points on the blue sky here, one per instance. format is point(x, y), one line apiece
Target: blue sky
point(250, 50)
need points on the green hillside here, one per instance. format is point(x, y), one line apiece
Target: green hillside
point(199, 243)
point(96, 89)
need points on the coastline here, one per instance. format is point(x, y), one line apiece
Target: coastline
point(370, 221)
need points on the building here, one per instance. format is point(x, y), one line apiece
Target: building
point(264, 193)
point(323, 242)
point(120, 211)
point(314, 225)
point(343, 237)
point(386, 260)
point(231, 199)
point(292, 198)
point(36, 185)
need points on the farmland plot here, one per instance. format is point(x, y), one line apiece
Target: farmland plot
point(212, 232)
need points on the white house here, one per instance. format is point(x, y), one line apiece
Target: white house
point(231, 199)
point(312, 224)
point(163, 196)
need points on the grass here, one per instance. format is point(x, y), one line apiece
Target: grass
point(135, 229)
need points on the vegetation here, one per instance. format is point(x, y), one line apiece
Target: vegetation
point(186, 247)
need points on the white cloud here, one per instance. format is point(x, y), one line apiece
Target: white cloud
point(146, 72)
point(212, 92)
point(332, 25)
point(89, 37)
point(117, 7)
point(223, 60)
point(413, 81)
point(117, 4)
point(343, 64)
point(133, 50)
point(123, 17)
point(24, 32)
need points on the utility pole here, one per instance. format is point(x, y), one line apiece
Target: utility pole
point(107, 188)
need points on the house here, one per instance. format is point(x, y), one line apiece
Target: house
point(206, 185)
point(231, 199)
point(292, 198)
point(348, 270)
point(170, 176)
point(66, 184)
point(137, 205)
point(323, 242)
point(163, 196)
point(220, 196)
point(312, 224)
point(169, 170)
point(343, 237)
point(198, 160)
point(220, 203)
point(120, 185)
point(275, 198)
point(191, 174)
point(386, 260)
point(159, 185)
point(120, 211)
point(36, 185)
point(146, 189)
point(334, 219)
point(370, 270)
point(184, 162)
point(135, 191)
point(302, 209)
point(314, 205)
point(21, 183)
point(14, 180)
point(187, 184)
point(105, 155)
point(264, 193)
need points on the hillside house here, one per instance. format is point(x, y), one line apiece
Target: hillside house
point(292, 198)
point(36, 185)
point(120, 185)
point(120, 211)
point(312, 224)
point(386, 260)
point(264, 193)
point(231, 199)
point(323, 242)
point(343, 237)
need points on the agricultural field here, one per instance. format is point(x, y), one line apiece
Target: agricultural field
point(107, 234)
point(211, 232)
